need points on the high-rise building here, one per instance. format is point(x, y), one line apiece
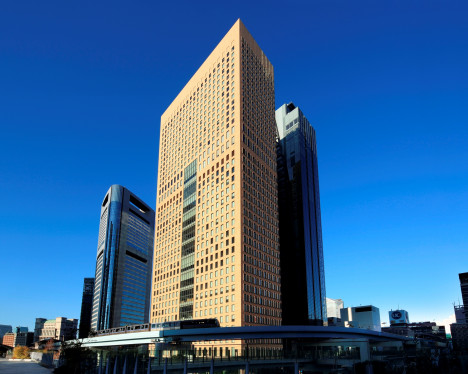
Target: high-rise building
point(86, 308)
point(60, 328)
point(302, 268)
point(333, 307)
point(5, 329)
point(38, 326)
point(459, 329)
point(122, 287)
point(464, 287)
point(216, 251)
point(461, 311)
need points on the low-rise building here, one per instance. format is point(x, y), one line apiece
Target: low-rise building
point(420, 330)
point(402, 330)
point(428, 330)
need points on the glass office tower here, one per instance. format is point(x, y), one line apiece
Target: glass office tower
point(124, 261)
point(86, 308)
point(301, 250)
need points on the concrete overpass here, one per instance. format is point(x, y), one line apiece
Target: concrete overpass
point(317, 337)
point(240, 333)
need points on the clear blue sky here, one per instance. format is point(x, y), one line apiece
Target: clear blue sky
point(83, 85)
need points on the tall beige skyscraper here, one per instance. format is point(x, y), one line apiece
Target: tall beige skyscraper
point(216, 251)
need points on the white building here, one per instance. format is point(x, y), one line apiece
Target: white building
point(61, 328)
point(363, 317)
point(333, 307)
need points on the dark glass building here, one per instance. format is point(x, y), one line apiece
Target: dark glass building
point(86, 308)
point(122, 289)
point(464, 287)
point(300, 227)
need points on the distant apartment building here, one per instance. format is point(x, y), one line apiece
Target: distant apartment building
point(86, 308)
point(5, 329)
point(362, 317)
point(122, 287)
point(300, 223)
point(60, 328)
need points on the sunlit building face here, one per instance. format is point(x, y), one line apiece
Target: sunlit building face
point(216, 252)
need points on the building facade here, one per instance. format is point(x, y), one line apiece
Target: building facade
point(86, 308)
point(216, 249)
point(24, 338)
point(9, 339)
point(302, 267)
point(459, 333)
point(60, 328)
point(362, 317)
point(122, 286)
